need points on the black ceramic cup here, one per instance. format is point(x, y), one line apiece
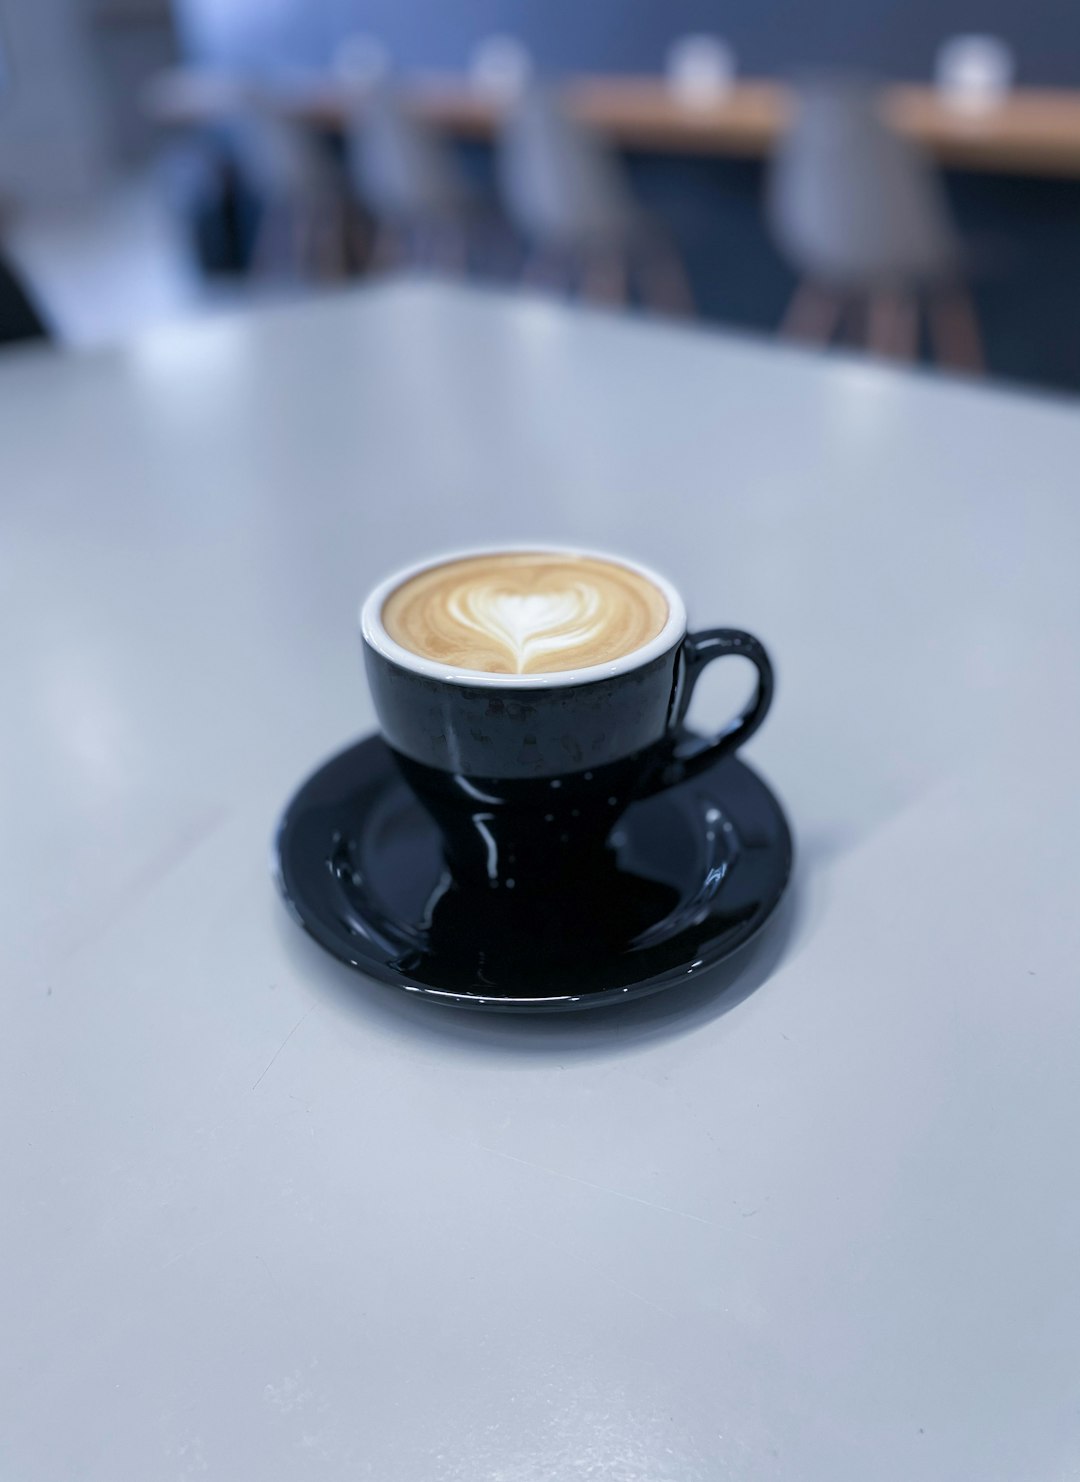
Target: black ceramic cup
point(526, 774)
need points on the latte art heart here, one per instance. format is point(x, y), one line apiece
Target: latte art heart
point(533, 625)
point(525, 612)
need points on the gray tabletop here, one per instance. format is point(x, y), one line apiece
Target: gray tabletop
point(262, 1219)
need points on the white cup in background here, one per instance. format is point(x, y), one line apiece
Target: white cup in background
point(974, 73)
point(500, 66)
point(700, 69)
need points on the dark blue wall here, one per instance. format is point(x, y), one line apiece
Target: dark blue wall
point(894, 38)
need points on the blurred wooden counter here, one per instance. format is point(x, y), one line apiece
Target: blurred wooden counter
point(1035, 131)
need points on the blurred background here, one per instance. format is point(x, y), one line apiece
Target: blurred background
point(899, 180)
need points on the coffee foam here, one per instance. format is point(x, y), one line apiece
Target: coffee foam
point(525, 612)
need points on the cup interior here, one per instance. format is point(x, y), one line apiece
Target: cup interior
point(375, 633)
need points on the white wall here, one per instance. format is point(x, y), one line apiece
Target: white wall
point(54, 138)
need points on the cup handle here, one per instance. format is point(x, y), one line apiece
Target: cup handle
point(690, 754)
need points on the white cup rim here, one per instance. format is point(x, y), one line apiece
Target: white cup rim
point(375, 634)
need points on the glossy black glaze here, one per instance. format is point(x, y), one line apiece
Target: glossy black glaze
point(526, 733)
point(502, 732)
point(685, 879)
point(505, 834)
point(526, 783)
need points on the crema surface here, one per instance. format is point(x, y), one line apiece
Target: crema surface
point(524, 612)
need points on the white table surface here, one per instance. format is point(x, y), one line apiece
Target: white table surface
point(263, 1220)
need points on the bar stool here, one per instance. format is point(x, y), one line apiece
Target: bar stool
point(862, 217)
point(568, 196)
point(408, 178)
point(302, 227)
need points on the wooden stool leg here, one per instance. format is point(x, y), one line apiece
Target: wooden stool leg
point(892, 325)
point(534, 268)
point(330, 250)
point(545, 269)
point(813, 314)
point(666, 283)
point(906, 329)
point(301, 243)
point(359, 242)
point(270, 250)
point(453, 248)
point(879, 331)
point(854, 320)
point(604, 277)
point(954, 329)
point(421, 239)
point(386, 249)
point(494, 251)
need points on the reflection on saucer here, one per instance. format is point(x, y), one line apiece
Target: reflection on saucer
point(688, 876)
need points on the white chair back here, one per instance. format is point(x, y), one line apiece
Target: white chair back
point(853, 204)
point(402, 169)
point(561, 186)
point(280, 158)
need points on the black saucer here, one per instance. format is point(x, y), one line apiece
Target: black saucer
point(693, 873)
